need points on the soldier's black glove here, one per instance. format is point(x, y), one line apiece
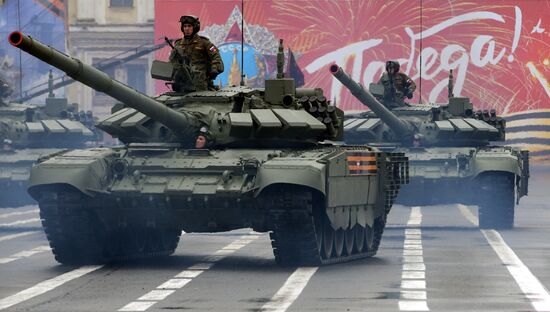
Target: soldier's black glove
point(409, 94)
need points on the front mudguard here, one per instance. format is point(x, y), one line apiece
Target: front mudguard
point(505, 160)
point(310, 175)
point(86, 170)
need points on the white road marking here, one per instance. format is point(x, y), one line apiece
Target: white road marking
point(413, 296)
point(412, 252)
point(185, 277)
point(413, 284)
point(414, 267)
point(18, 213)
point(157, 295)
point(7, 260)
point(468, 214)
point(20, 222)
point(138, 306)
point(291, 289)
point(46, 286)
point(189, 274)
point(413, 275)
point(8, 237)
point(416, 305)
point(410, 247)
point(24, 254)
point(201, 266)
point(174, 283)
point(529, 284)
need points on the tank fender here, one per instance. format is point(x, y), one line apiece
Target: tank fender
point(86, 170)
point(512, 161)
point(305, 173)
point(500, 160)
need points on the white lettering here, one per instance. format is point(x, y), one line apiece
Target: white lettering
point(453, 56)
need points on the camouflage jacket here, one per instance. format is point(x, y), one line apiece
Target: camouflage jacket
point(396, 89)
point(204, 59)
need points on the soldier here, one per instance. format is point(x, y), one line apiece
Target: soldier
point(397, 85)
point(5, 90)
point(203, 57)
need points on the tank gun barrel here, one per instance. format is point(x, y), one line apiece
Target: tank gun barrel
point(178, 122)
point(396, 124)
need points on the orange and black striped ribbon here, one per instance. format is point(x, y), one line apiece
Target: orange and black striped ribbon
point(361, 163)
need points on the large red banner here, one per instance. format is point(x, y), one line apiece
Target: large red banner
point(499, 50)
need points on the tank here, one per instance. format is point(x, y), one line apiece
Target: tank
point(455, 154)
point(267, 164)
point(28, 132)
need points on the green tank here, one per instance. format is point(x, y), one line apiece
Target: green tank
point(28, 132)
point(265, 166)
point(453, 152)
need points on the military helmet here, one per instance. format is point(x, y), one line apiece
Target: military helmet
point(193, 20)
point(393, 64)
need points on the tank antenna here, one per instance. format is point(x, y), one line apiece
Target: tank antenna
point(242, 42)
point(280, 60)
point(450, 87)
point(50, 85)
point(420, 59)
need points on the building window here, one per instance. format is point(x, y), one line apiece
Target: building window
point(122, 3)
point(136, 77)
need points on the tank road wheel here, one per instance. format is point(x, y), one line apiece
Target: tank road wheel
point(349, 239)
point(70, 227)
point(139, 242)
point(496, 208)
point(295, 234)
point(339, 242)
point(359, 232)
point(302, 234)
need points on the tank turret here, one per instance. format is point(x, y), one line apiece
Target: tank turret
point(239, 116)
point(452, 124)
point(403, 131)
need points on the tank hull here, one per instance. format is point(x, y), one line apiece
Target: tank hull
point(15, 167)
point(151, 188)
point(493, 178)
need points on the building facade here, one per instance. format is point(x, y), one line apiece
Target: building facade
point(103, 31)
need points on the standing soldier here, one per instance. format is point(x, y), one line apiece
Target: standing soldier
point(397, 85)
point(203, 57)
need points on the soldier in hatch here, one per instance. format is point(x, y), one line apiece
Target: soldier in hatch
point(202, 56)
point(397, 85)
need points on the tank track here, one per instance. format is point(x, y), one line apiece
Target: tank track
point(295, 235)
point(77, 237)
point(496, 207)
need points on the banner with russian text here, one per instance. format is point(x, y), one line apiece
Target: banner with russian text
point(499, 50)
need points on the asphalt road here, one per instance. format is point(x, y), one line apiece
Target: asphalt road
point(431, 258)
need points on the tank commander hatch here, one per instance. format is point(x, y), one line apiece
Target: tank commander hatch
point(397, 85)
point(202, 56)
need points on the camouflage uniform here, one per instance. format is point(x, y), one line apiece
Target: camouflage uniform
point(396, 86)
point(203, 56)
